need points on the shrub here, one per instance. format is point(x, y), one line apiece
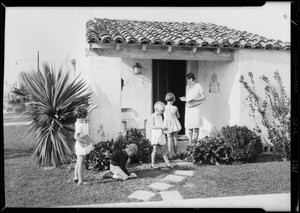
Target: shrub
point(209, 150)
point(143, 144)
point(99, 158)
point(246, 144)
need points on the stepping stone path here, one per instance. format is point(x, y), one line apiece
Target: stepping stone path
point(174, 178)
point(184, 172)
point(179, 176)
point(142, 195)
point(160, 186)
point(171, 195)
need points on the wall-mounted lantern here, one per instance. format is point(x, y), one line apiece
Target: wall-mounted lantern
point(137, 70)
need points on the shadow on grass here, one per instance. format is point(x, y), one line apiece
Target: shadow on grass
point(17, 153)
point(152, 173)
point(141, 173)
point(264, 158)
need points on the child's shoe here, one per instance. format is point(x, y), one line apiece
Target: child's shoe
point(168, 165)
point(82, 183)
point(107, 175)
point(153, 166)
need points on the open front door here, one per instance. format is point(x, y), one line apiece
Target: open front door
point(169, 76)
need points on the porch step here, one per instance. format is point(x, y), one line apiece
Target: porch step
point(182, 138)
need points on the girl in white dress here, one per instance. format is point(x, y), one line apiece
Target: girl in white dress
point(172, 123)
point(83, 144)
point(194, 97)
point(158, 138)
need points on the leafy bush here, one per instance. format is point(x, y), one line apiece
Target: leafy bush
point(246, 145)
point(143, 144)
point(209, 150)
point(99, 158)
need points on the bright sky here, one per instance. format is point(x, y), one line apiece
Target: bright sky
point(51, 31)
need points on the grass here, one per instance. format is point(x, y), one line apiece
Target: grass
point(28, 186)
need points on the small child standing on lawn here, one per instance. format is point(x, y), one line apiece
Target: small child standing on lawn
point(83, 144)
point(172, 123)
point(158, 138)
point(120, 161)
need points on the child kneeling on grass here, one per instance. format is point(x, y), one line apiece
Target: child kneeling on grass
point(120, 161)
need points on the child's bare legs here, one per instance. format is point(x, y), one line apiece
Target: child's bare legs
point(153, 154)
point(174, 135)
point(76, 170)
point(165, 157)
point(163, 150)
point(80, 162)
point(170, 145)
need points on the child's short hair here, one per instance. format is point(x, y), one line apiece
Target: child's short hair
point(159, 104)
point(80, 112)
point(170, 97)
point(190, 75)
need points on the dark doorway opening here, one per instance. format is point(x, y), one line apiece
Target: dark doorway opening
point(169, 76)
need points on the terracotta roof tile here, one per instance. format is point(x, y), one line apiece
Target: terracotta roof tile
point(176, 34)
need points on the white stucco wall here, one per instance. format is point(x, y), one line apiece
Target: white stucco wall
point(262, 62)
point(228, 106)
point(222, 108)
point(137, 90)
point(104, 76)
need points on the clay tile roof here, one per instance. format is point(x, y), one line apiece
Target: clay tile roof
point(176, 34)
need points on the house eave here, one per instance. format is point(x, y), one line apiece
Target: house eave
point(146, 51)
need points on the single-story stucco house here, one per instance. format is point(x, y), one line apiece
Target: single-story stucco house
point(166, 52)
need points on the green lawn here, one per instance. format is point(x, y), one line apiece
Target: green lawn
point(27, 186)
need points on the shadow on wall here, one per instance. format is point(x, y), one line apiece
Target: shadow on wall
point(103, 123)
point(216, 109)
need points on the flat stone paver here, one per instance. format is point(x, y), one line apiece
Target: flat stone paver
point(184, 172)
point(171, 195)
point(174, 178)
point(160, 186)
point(142, 195)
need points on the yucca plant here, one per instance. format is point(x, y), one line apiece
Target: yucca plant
point(54, 97)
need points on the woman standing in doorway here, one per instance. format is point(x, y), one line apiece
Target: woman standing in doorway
point(194, 97)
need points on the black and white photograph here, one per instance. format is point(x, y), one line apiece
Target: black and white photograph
point(148, 107)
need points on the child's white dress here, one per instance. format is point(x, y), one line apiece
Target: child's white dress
point(157, 135)
point(81, 128)
point(170, 119)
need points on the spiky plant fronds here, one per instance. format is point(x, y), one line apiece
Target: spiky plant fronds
point(54, 98)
